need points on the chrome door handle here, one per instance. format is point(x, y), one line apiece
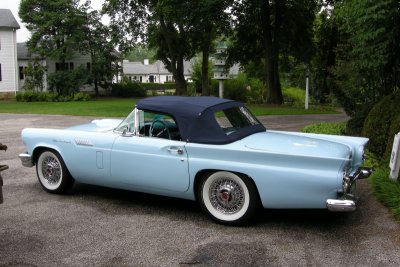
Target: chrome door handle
point(175, 150)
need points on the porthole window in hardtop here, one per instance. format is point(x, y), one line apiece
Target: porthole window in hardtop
point(159, 125)
point(233, 119)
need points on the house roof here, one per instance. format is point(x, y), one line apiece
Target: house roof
point(7, 19)
point(195, 117)
point(158, 67)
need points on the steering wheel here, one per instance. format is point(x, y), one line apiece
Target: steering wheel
point(163, 131)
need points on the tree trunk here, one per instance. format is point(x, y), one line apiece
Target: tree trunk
point(205, 84)
point(180, 78)
point(175, 63)
point(271, 51)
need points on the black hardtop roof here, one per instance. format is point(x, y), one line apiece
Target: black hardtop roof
point(195, 117)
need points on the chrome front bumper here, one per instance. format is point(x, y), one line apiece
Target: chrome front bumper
point(347, 202)
point(26, 160)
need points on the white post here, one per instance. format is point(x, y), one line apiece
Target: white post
point(306, 101)
point(221, 88)
point(395, 158)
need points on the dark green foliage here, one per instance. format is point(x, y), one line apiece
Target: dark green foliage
point(242, 88)
point(381, 124)
point(158, 86)
point(368, 52)
point(128, 89)
point(325, 36)
point(335, 128)
point(57, 27)
point(104, 66)
point(140, 53)
point(34, 74)
point(356, 123)
point(386, 190)
point(81, 96)
point(32, 96)
point(68, 82)
point(264, 30)
point(293, 95)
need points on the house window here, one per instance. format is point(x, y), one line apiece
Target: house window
point(0, 73)
point(88, 67)
point(140, 78)
point(21, 73)
point(65, 66)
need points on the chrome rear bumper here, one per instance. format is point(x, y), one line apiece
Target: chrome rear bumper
point(347, 202)
point(338, 205)
point(26, 160)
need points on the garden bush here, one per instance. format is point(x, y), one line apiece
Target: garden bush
point(158, 86)
point(293, 95)
point(336, 128)
point(382, 123)
point(241, 88)
point(128, 89)
point(33, 96)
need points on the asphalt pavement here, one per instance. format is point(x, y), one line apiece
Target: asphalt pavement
point(96, 226)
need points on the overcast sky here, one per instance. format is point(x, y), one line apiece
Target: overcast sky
point(23, 34)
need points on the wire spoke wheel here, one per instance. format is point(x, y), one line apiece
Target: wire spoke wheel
point(52, 173)
point(228, 198)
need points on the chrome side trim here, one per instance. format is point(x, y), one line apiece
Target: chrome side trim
point(338, 205)
point(26, 160)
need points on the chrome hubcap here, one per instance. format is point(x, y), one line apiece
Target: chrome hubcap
point(51, 170)
point(226, 195)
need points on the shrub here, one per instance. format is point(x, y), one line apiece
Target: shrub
point(386, 190)
point(293, 95)
point(81, 97)
point(158, 86)
point(382, 123)
point(241, 88)
point(32, 96)
point(128, 89)
point(336, 128)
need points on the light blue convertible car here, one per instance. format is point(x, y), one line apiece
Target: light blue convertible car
point(207, 149)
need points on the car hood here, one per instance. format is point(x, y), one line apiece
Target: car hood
point(102, 125)
point(298, 144)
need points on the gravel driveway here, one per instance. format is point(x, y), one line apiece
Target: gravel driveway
point(95, 226)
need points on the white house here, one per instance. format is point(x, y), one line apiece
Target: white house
point(152, 73)
point(24, 57)
point(8, 52)
point(157, 72)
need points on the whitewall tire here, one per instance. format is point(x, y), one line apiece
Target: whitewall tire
point(52, 172)
point(228, 198)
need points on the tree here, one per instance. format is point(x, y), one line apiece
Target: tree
point(326, 38)
point(57, 28)
point(104, 59)
point(210, 20)
point(140, 53)
point(368, 54)
point(265, 29)
point(164, 25)
point(34, 74)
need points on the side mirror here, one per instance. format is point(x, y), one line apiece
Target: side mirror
point(125, 133)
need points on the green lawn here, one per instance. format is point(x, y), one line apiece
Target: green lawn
point(120, 107)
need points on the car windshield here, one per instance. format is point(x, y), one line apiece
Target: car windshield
point(233, 119)
point(127, 124)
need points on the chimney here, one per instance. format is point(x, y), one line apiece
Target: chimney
point(146, 62)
